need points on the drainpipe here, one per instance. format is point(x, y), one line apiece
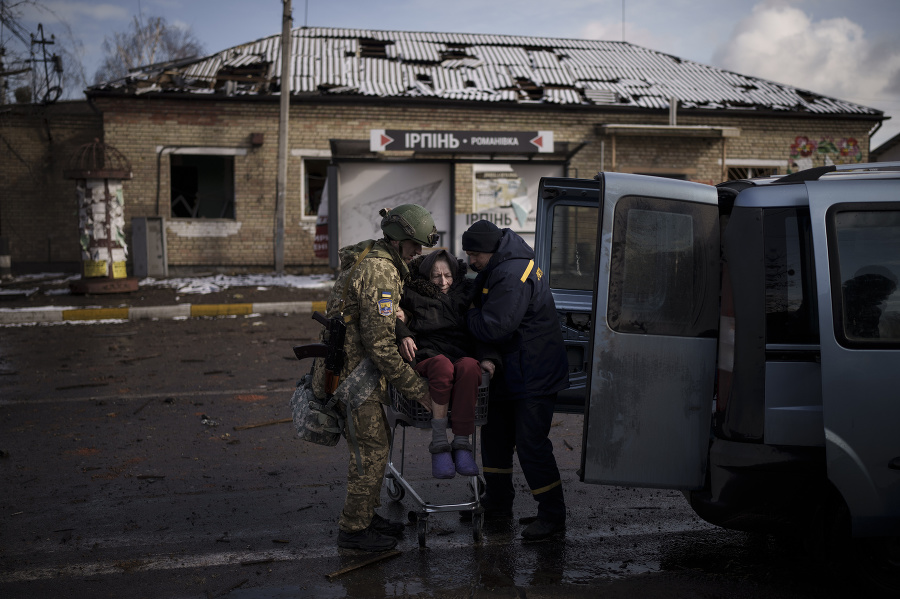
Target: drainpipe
point(159, 154)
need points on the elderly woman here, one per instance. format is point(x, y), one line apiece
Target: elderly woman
point(433, 337)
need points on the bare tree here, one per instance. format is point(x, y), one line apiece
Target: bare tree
point(34, 66)
point(147, 42)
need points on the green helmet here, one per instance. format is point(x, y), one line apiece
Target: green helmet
point(409, 221)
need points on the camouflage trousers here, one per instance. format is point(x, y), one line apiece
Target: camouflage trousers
point(364, 491)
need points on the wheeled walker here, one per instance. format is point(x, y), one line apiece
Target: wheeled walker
point(405, 412)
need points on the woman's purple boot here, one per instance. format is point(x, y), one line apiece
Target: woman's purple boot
point(442, 462)
point(463, 457)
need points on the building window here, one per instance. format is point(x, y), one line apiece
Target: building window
point(202, 186)
point(315, 172)
point(748, 172)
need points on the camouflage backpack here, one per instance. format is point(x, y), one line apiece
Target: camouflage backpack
point(319, 421)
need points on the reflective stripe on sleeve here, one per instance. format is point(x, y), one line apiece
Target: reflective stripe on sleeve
point(527, 270)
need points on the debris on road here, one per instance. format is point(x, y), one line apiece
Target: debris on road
point(364, 562)
point(144, 405)
point(269, 423)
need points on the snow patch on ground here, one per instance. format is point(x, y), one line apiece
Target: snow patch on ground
point(187, 285)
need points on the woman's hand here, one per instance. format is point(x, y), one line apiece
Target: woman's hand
point(408, 349)
point(401, 315)
point(488, 367)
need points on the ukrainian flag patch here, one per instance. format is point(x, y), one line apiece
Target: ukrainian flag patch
point(385, 302)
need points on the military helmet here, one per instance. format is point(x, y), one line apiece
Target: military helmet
point(409, 221)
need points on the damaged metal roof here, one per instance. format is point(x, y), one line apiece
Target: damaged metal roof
point(475, 68)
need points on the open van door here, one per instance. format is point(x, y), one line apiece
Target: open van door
point(655, 320)
point(568, 216)
point(857, 228)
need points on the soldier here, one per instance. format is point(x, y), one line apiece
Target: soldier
point(366, 295)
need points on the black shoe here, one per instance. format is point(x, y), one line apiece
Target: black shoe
point(366, 540)
point(491, 509)
point(542, 529)
point(386, 527)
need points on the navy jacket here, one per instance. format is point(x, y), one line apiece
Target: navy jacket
point(515, 311)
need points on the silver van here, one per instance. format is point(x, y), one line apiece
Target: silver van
point(740, 343)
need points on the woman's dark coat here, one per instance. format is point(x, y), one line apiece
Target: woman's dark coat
point(436, 320)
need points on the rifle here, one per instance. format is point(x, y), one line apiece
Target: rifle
point(332, 350)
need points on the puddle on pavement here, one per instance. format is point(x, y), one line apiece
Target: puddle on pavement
point(332, 590)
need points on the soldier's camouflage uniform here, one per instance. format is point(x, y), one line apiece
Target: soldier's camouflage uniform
point(373, 292)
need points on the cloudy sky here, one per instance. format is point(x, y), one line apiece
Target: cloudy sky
point(848, 49)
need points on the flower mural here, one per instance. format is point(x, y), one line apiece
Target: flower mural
point(849, 148)
point(802, 146)
point(804, 150)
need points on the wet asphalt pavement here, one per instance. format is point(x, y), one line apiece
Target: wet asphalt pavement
point(145, 459)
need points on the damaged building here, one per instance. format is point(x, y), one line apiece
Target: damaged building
point(463, 124)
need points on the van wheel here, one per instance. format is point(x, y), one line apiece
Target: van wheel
point(874, 561)
point(878, 564)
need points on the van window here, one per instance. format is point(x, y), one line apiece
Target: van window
point(791, 309)
point(868, 248)
point(664, 268)
point(573, 247)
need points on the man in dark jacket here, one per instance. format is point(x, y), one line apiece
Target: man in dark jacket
point(514, 310)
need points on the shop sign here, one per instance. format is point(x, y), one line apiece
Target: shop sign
point(483, 142)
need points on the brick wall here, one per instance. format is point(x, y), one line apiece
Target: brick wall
point(139, 127)
point(38, 209)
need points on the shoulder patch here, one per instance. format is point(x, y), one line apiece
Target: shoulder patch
point(385, 302)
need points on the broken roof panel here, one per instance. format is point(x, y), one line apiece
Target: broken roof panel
point(474, 68)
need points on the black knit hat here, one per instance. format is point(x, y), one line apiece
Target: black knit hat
point(483, 236)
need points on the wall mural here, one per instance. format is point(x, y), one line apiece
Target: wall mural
point(364, 188)
point(807, 153)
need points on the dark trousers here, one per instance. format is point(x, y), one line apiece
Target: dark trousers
point(523, 426)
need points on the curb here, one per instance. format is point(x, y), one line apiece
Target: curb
point(25, 316)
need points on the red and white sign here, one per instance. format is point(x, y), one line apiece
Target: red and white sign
point(455, 142)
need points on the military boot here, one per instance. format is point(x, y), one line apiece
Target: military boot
point(366, 539)
point(386, 527)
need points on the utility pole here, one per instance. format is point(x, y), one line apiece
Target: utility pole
point(283, 116)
